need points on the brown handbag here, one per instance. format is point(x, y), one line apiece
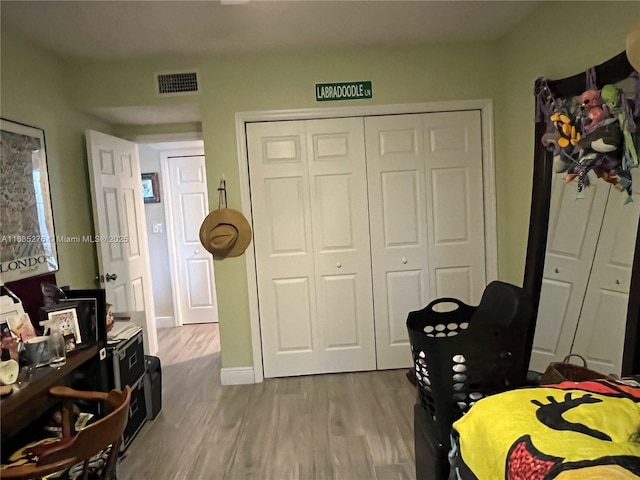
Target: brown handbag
point(558, 372)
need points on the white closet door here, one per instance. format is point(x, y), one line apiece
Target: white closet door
point(284, 247)
point(455, 205)
point(574, 227)
point(308, 184)
point(600, 334)
point(397, 207)
point(340, 224)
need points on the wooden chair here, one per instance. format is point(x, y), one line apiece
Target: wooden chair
point(53, 455)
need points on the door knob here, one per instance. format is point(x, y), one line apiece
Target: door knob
point(111, 277)
point(196, 251)
point(404, 260)
point(557, 270)
point(339, 265)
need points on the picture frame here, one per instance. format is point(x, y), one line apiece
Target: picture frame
point(27, 233)
point(150, 187)
point(68, 318)
point(91, 306)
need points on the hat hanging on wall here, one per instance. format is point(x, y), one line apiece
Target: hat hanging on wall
point(225, 232)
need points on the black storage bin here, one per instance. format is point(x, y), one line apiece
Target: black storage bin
point(153, 386)
point(463, 355)
point(432, 461)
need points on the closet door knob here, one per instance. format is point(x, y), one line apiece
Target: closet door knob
point(339, 265)
point(617, 282)
point(404, 260)
point(557, 270)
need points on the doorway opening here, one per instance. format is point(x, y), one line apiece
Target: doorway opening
point(181, 269)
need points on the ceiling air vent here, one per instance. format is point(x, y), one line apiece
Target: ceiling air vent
point(177, 83)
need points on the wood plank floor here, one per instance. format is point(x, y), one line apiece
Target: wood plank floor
point(343, 426)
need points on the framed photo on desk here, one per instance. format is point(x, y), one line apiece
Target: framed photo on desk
point(68, 320)
point(91, 307)
point(67, 317)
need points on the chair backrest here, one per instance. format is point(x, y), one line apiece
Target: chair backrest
point(98, 436)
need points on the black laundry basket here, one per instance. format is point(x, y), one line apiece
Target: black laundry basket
point(463, 355)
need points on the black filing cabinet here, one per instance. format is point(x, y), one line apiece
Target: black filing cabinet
point(128, 368)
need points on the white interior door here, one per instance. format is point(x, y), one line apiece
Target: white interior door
point(398, 218)
point(283, 247)
point(601, 330)
point(189, 206)
point(455, 205)
point(308, 185)
point(342, 257)
point(574, 228)
point(120, 231)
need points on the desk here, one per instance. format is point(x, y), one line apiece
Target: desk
point(31, 399)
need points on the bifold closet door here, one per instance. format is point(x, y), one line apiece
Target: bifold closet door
point(574, 228)
point(398, 218)
point(426, 204)
point(455, 205)
point(601, 330)
point(311, 234)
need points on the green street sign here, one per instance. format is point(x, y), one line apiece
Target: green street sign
point(326, 92)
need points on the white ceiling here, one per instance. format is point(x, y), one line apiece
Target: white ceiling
point(105, 29)
point(133, 29)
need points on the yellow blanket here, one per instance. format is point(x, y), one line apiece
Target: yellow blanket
point(587, 430)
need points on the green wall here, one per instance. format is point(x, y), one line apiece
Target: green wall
point(233, 84)
point(34, 91)
point(556, 40)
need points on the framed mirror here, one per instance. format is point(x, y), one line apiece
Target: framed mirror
point(592, 220)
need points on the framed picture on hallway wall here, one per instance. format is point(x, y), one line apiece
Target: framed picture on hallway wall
point(150, 188)
point(28, 241)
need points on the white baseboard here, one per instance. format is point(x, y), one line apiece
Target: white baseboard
point(165, 322)
point(237, 376)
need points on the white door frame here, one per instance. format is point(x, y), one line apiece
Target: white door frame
point(488, 164)
point(185, 138)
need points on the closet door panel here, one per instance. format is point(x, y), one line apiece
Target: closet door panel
point(342, 256)
point(397, 209)
point(557, 305)
point(574, 228)
point(284, 247)
point(455, 204)
point(601, 330)
point(293, 315)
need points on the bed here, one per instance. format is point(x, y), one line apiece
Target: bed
point(566, 431)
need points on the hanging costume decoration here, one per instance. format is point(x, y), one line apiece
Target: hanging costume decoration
point(596, 132)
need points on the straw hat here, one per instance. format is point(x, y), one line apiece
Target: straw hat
point(225, 233)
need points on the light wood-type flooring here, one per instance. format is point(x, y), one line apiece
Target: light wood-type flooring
point(342, 426)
